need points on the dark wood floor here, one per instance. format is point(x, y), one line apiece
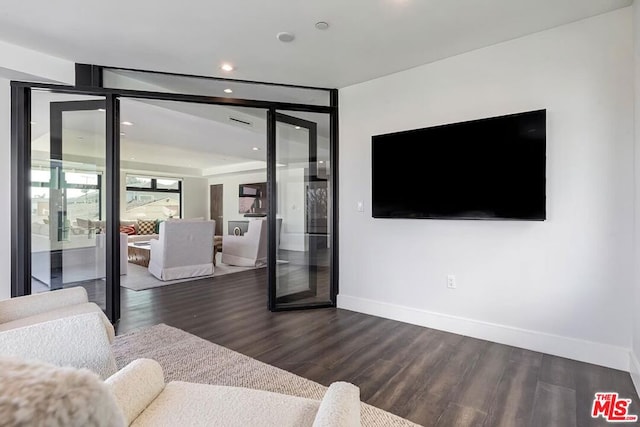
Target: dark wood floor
point(428, 376)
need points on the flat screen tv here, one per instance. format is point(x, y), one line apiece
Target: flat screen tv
point(482, 169)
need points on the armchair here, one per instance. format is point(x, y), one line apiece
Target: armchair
point(249, 250)
point(37, 308)
point(137, 395)
point(184, 249)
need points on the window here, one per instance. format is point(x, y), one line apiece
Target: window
point(153, 198)
point(81, 192)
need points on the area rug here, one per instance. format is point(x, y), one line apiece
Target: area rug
point(186, 357)
point(138, 278)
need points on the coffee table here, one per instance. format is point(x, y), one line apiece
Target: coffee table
point(217, 247)
point(139, 253)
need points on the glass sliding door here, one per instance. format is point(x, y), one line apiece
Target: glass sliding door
point(68, 193)
point(301, 162)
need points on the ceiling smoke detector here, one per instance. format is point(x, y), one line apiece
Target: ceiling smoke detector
point(285, 37)
point(322, 25)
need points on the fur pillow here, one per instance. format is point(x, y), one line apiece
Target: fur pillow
point(38, 394)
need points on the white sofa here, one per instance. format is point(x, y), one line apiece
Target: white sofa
point(79, 341)
point(183, 250)
point(248, 250)
point(36, 393)
point(33, 309)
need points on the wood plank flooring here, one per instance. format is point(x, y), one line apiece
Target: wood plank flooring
point(430, 377)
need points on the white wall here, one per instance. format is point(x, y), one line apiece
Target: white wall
point(291, 202)
point(19, 63)
point(5, 189)
point(557, 286)
point(635, 353)
point(230, 183)
point(195, 198)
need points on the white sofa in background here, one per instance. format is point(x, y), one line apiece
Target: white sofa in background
point(183, 250)
point(248, 250)
point(38, 308)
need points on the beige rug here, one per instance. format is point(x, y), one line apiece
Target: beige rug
point(138, 278)
point(186, 357)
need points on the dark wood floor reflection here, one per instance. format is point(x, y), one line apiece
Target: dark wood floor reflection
point(428, 376)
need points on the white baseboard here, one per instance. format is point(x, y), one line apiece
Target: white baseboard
point(571, 348)
point(634, 369)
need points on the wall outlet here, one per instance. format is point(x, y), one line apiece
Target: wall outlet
point(451, 281)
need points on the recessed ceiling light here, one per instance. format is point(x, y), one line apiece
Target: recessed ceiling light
point(226, 67)
point(322, 25)
point(33, 123)
point(102, 109)
point(228, 91)
point(297, 127)
point(321, 161)
point(133, 158)
point(127, 123)
point(285, 37)
point(255, 149)
point(122, 134)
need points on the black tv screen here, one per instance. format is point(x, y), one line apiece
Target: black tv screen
point(482, 169)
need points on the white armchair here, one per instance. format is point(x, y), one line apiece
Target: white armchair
point(37, 308)
point(184, 249)
point(249, 250)
point(138, 396)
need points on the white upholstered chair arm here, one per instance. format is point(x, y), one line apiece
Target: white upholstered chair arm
point(31, 305)
point(77, 341)
point(136, 386)
point(340, 407)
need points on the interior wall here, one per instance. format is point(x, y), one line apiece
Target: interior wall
point(230, 188)
point(5, 189)
point(17, 62)
point(556, 286)
point(291, 203)
point(635, 349)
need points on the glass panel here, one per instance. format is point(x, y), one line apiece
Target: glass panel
point(304, 199)
point(192, 160)
point(168, 184)
point(152, 205)
point(138, 181)
point(67, 193)
point(157, 82)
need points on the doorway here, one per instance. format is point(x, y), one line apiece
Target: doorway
point(216, 207)
point(297, 243)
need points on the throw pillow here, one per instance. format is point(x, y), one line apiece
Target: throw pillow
point(38, 394)
point(146, 227)
point(128, 229)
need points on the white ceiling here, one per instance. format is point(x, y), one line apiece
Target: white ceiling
point(197, 137)
point(367, 38)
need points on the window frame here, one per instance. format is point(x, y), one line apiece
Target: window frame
point(154, 188)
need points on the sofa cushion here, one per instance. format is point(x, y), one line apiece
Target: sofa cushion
point(128, 230)
point(38, 394)
point(146, 227)
point(190, 404)
point(59, 313)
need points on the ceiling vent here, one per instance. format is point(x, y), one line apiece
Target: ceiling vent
point(240, 121)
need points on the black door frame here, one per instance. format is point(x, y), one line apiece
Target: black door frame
point(288, 303)
point(21, 167)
